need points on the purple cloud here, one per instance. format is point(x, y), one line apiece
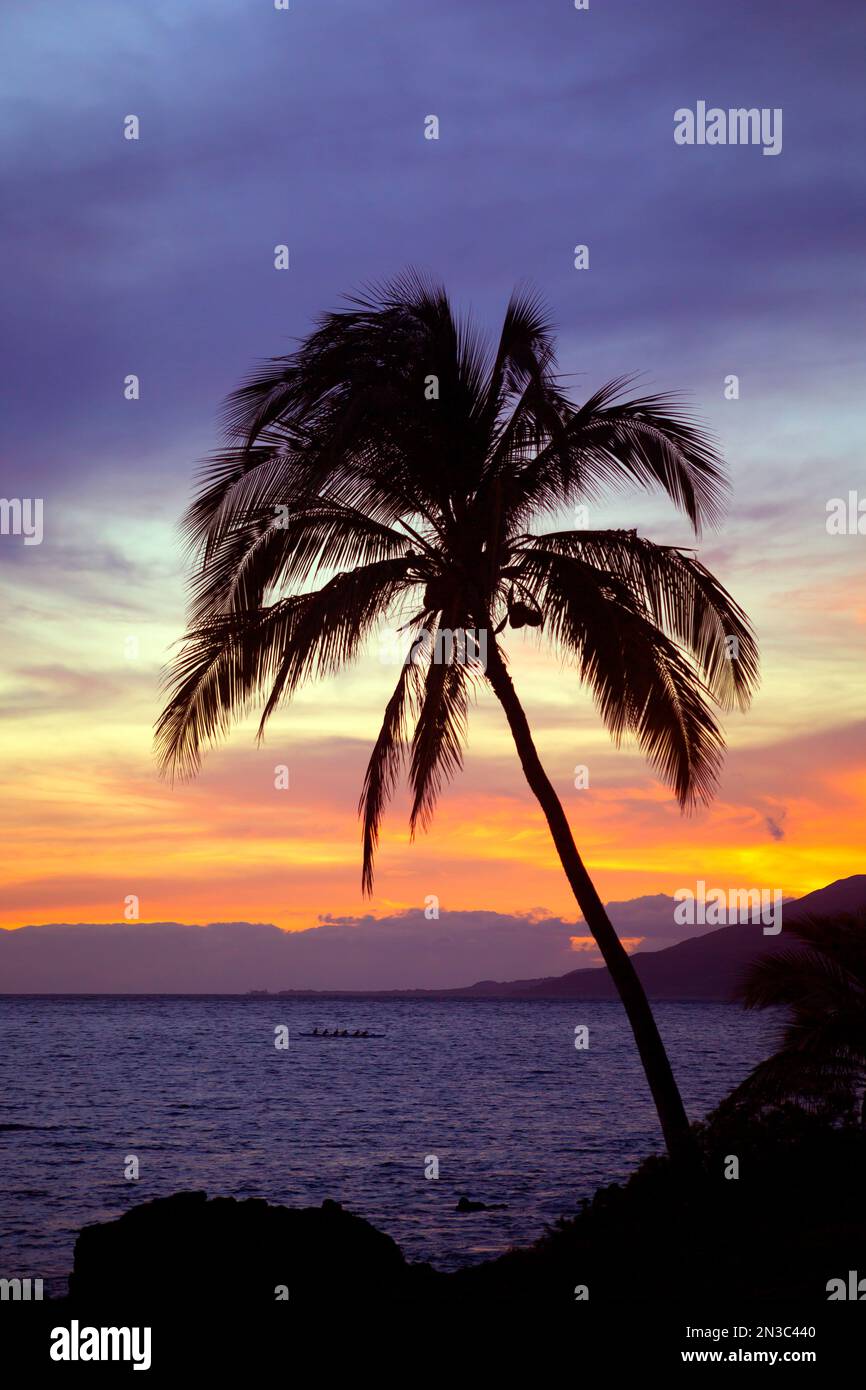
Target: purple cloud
point(405, 951)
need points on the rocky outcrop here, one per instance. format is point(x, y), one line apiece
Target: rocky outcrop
point(188, 1249)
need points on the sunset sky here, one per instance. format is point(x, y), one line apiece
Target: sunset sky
point(155, 257)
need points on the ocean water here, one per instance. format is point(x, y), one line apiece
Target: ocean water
point(195, 1088)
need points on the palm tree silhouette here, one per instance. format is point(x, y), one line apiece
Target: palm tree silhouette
point(393, 448)
point(820, 1063)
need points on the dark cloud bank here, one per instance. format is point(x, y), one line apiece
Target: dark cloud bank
point(405, 951)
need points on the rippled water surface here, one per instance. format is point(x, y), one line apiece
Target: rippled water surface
point(197, 1090)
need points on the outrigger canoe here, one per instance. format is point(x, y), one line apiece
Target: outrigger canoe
point(341, 1037)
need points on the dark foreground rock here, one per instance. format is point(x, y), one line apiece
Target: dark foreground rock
point(188, 1249)
point(794, 1219)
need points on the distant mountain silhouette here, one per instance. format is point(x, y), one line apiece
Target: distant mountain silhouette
point(706, 967)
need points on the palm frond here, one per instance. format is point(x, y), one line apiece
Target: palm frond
point(222, 665)
point(680, 595)
point(820, 1061)
point(229, 659)
point(649, 441)
point(288, 549)
point(440, 734)
point(641, 682)
point(386, 760)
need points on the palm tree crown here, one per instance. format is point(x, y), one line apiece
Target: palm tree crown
point(395, 454)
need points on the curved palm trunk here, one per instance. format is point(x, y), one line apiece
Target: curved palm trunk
point(671, 1111)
